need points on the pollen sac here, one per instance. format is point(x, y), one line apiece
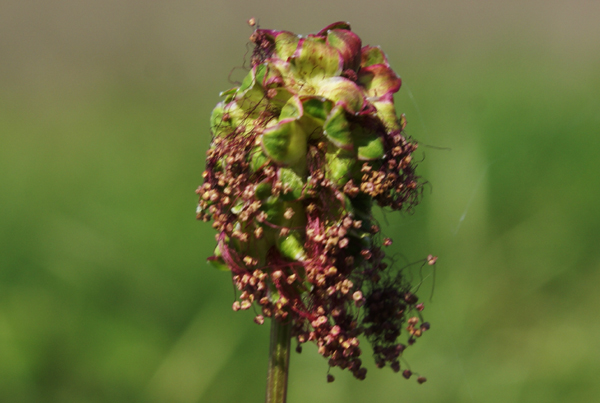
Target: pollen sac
point(301, 152)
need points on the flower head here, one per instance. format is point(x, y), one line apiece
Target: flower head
point(301, 151)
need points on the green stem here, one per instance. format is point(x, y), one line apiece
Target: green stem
point(279, 360)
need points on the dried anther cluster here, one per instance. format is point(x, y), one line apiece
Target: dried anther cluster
point(300, 153)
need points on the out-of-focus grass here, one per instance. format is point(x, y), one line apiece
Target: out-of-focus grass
point(104, 291)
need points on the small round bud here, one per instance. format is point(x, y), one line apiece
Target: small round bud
point(330, 378)
point(407, 373)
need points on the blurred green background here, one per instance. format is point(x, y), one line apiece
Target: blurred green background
point(105, 295)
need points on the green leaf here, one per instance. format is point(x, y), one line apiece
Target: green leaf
point(387, 113)
point(337, 128)
point(229, 94)
point(379, 80)
point(285, 143)
point(316, 107)
point(292, 109)
point(369, 145)
point(342, 92)
point(292, 246)
point(340, 164)
point(372, 55)
point(290, 178)
point(263, 190)
point(218, 126)
point(273, 206)
point(257, 159)
point(286, 44)
point(348, 44)
point(315, 60)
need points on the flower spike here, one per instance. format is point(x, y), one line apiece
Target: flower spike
point(301, 152)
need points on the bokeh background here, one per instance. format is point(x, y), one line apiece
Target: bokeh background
point(105, 295)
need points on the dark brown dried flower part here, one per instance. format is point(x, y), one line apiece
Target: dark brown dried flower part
point(301, 152)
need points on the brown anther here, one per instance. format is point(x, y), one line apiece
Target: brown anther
point(291, 278)
point(262, 216)
point(320, 321)
point(320, 280)
point(421, 379)
point(289, 213)
point(407, 373)
point(330, 378)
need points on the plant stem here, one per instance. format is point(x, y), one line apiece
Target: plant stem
point(279, 360)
